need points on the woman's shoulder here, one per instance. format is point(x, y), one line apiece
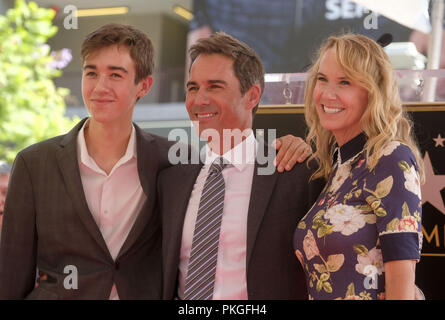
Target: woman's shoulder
point(395, 148)
point(396, 158)
point(395, 151)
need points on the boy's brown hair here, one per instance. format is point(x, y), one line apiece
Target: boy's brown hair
point(137, 42)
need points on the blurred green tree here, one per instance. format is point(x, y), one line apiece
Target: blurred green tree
point(31, 107)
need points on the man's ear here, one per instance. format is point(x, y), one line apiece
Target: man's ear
point(253, 96)
point(145, 85)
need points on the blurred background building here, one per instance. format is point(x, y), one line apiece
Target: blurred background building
point(283, 32)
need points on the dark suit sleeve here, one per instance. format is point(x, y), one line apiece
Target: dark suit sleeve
point(18, 243)
point(315, 188)
point(159, 195)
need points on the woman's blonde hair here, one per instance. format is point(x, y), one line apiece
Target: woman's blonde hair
point(365, 63)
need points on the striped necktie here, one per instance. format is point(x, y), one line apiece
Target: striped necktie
point(201, 269)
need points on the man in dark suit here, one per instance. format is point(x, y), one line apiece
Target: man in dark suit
point(228, 226)
point(79, 206)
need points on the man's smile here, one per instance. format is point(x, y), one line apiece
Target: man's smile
point(205, 115)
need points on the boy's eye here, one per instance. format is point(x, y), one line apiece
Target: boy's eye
point(116, 75)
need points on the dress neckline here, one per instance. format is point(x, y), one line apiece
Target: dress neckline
point(351, 148)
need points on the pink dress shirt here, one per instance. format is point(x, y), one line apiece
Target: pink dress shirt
point(114, 200)
point(230, 278)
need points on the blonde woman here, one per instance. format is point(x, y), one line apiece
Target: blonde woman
point(363, 236)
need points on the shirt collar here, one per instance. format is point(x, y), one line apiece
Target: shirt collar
point(84, 157)
point(352, 148)
point(239, 156)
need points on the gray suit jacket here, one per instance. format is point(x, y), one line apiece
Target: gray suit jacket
point(47, 225)
point(277, 203)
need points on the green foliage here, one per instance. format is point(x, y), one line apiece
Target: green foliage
point(31, 107)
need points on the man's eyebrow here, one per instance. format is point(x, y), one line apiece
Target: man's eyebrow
point(92, 66)
point(217, 81)
point(191, 83)
point(118, 68)
point(89, 66)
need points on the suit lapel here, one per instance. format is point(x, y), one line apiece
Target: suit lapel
point(262, 189)
point(148, 160)
point(69, 167)
point(148, 167)
point(188, 175)
point(174, 207)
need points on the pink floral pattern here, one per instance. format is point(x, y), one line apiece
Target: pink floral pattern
point(310, 246)
point(408, 224)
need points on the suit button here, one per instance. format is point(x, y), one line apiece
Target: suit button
point(116, 265)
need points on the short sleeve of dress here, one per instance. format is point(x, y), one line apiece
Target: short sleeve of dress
point(393, 192)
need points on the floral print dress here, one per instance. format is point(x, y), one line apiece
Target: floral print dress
point(361, 219)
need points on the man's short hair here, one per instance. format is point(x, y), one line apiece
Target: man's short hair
point(247, 65)
point(137, 42)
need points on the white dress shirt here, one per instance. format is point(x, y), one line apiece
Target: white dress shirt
point(114, 200)
point(230, 277)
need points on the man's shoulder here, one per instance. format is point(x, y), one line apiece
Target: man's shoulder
point(151, 137)
point(298, 176)
point(162, 143)
point(269, 153)
point(52, 144)
point(166, 152)
point(180, 169)
point(307, 168)
point(42, 147)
